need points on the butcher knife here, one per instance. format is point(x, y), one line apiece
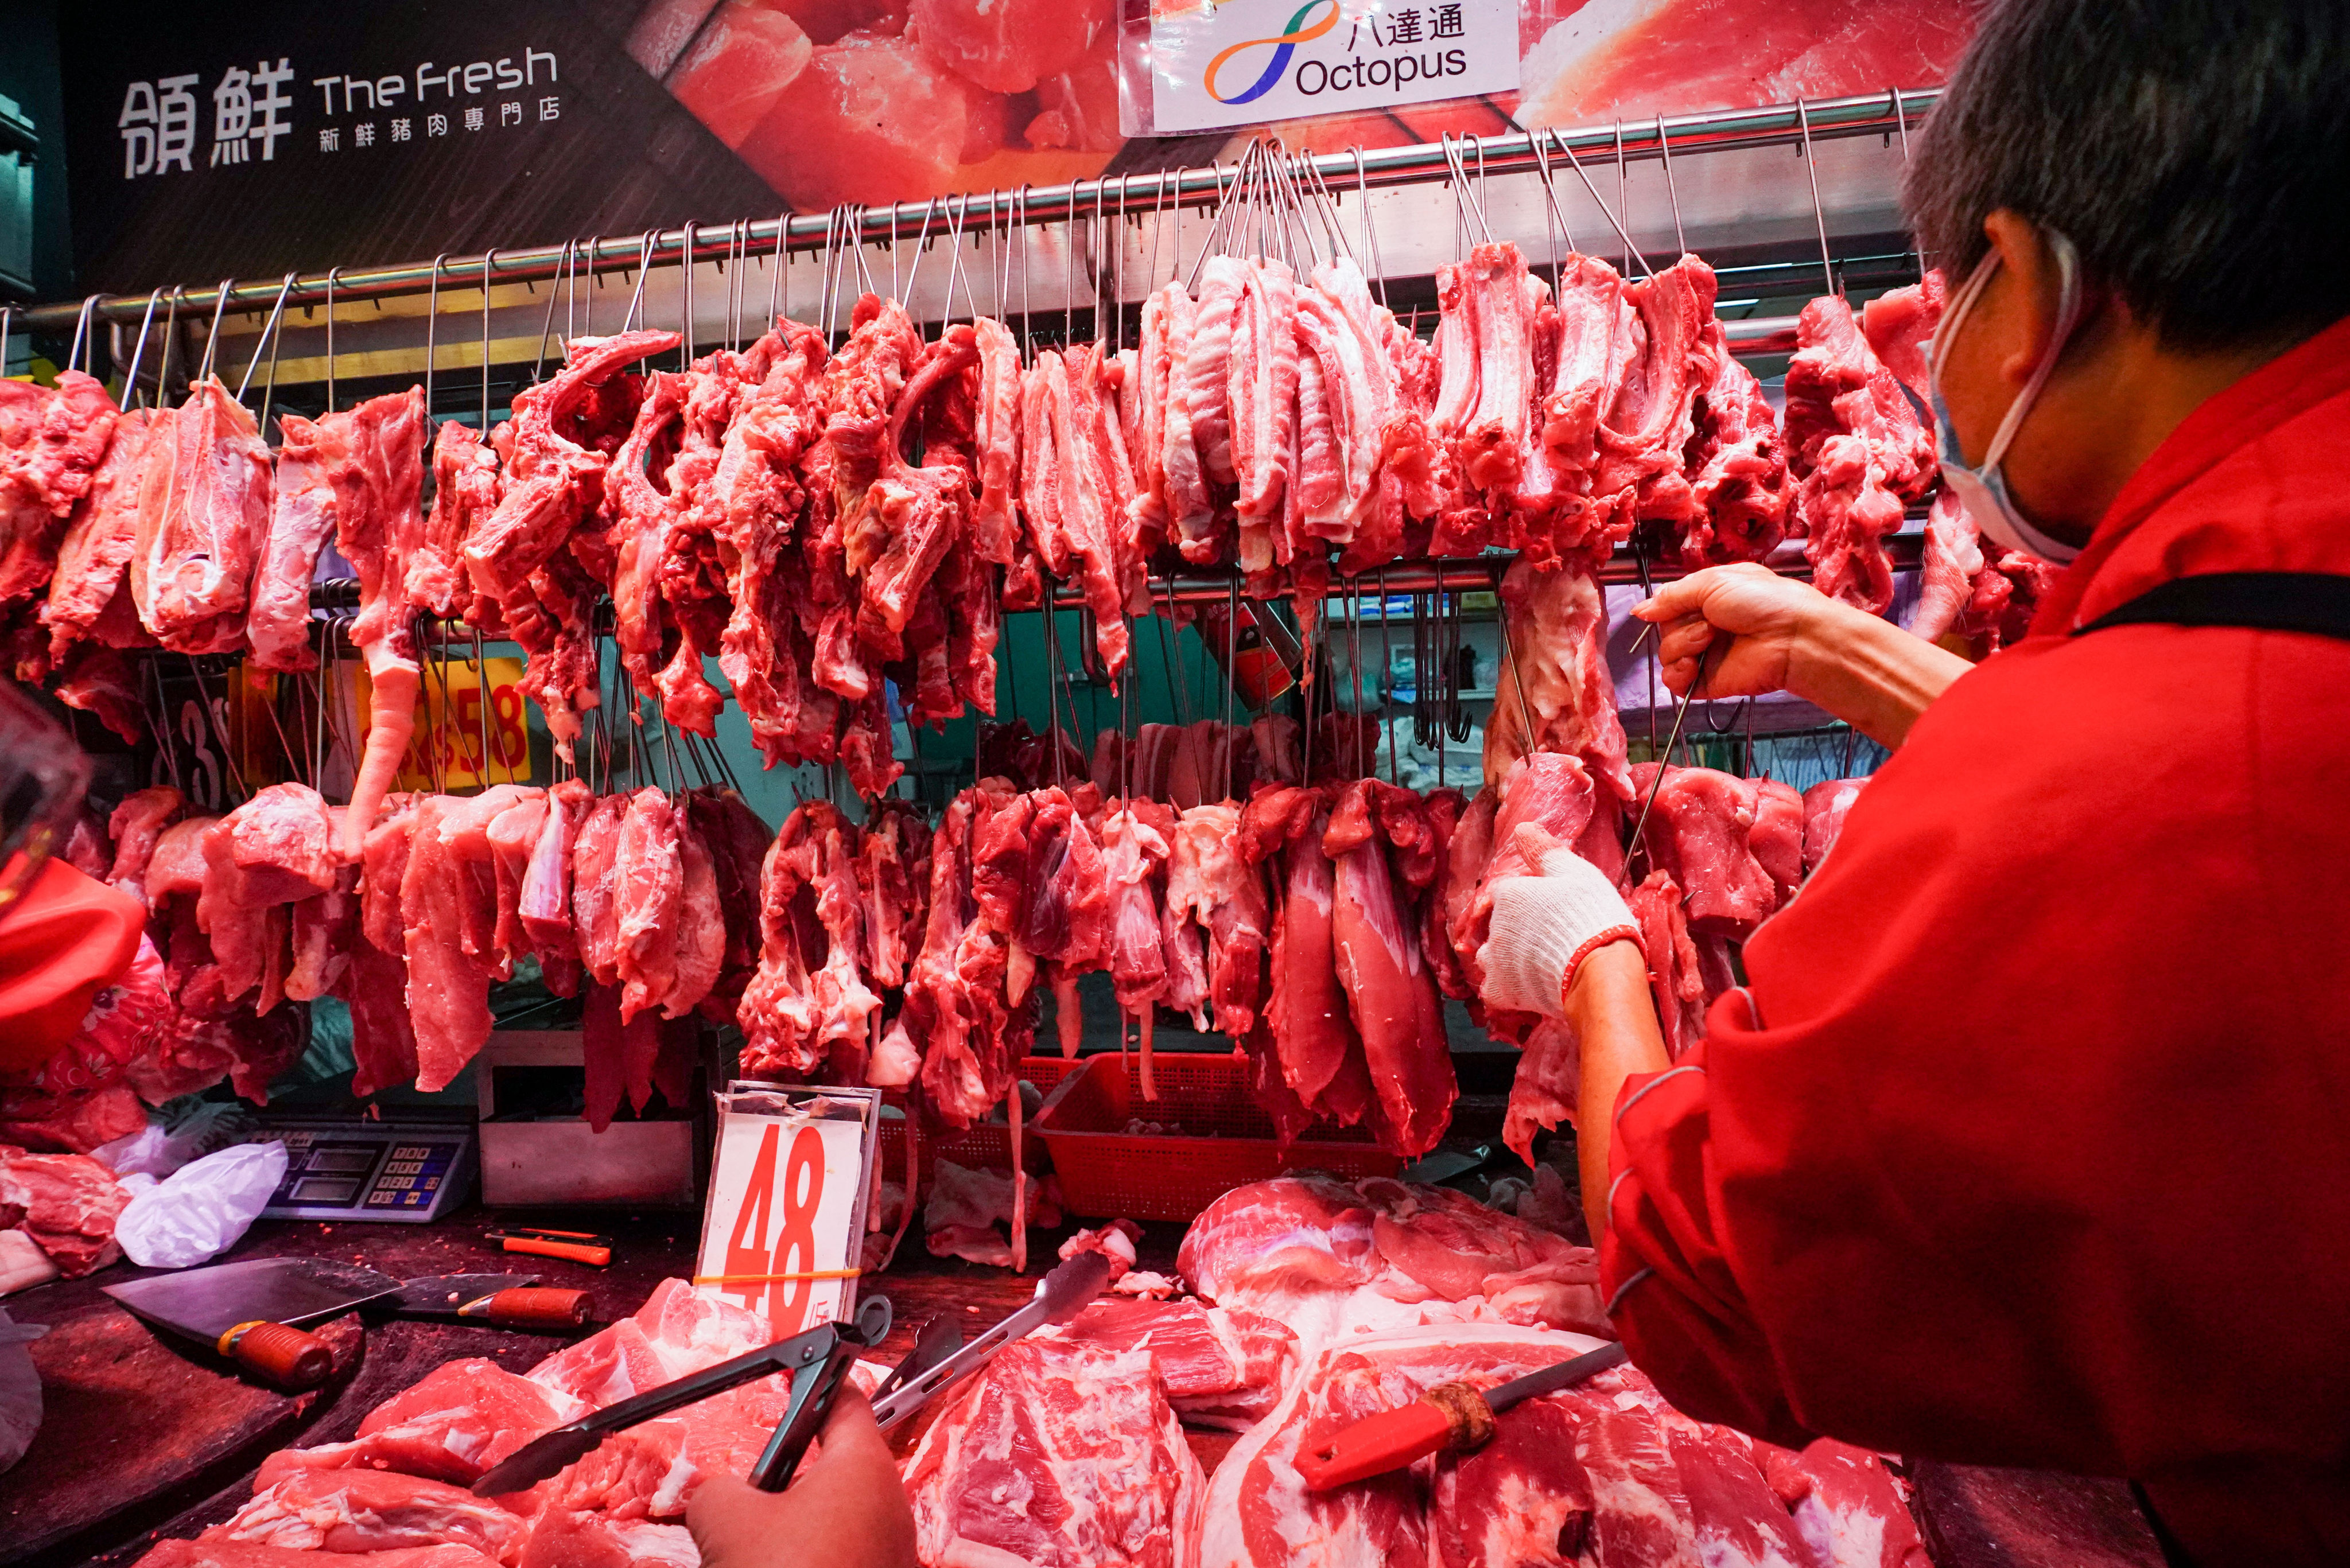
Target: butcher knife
point(255, 1313)
point(502, 1300)
point(1060, 1296)
point(1451, 1417)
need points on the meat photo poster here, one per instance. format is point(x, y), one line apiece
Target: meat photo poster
point(360, 135)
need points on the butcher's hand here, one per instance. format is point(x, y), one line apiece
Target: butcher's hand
point(1545, 927)
point(1752, 631)
point(846, 1507)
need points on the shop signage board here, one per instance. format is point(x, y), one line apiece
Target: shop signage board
point(205, 141)
point(789, 1180)
point(1225, 63)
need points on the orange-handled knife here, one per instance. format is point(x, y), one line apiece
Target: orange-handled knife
point(576, 1246)
point(1451, 1417)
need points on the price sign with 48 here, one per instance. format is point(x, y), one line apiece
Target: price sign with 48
point(787, 1199)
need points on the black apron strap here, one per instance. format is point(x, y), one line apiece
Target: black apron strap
point(2316, 602)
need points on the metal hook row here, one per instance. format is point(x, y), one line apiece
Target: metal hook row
point(1775, 125)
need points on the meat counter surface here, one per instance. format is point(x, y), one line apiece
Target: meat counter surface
point(141, 1441)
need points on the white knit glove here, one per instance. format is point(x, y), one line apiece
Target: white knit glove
point(1544, 927)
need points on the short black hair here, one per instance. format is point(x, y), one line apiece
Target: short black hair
point(2196, 151)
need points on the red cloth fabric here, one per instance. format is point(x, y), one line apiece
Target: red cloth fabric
point(2029, 1142)
point(64, 941)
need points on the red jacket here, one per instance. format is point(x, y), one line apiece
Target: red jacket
point(2029, 1141)
point(63, 943)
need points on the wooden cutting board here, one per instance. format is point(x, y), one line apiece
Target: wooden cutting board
point(133, 1428)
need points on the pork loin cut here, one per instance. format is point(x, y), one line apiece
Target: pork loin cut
point(1058, 1455)
point(1330, 1258)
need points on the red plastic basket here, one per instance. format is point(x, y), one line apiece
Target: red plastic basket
point(984, 1145)
point(1222, 1140)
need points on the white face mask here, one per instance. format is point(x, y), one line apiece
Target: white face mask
point(1984, 490)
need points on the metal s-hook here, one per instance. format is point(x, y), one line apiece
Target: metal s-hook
point(332, 274)
point(1117, 264)
point(914, 273)
point(738, 251)
point(1623, 183)
point(571, 325)
point(489, 263)
point(138, 350)
point(212, 338)
point(547, 323)
point(777, 299)
point(269, 334)
point(1672, 194)
point(1901, 123)
point(171, 339)
point(1553, 221)
point(1158, 231)
point(432, 323)
point(1819, 214)
point(644, 270)
point(685, 285)
point(81, 338)
point(276, 343)
point(1631, 249)
point(1370, 235)
point(1027, 308)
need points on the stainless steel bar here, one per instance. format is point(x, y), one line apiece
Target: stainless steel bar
point(1484, 573)
point(1775, 125)
point(1470, 575)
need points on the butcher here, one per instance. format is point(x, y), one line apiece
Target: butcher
point(64, 937)
point(2025, 1142)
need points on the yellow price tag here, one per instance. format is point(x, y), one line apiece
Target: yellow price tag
point(453, 719)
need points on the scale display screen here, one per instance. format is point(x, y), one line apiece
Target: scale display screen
point(371, 1171)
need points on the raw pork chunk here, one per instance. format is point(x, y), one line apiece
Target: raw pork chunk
point(1606, 1473)
point(1057, 1456)
point(1331, 1259)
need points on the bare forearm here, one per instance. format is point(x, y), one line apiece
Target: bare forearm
point(1613, 1016)
point(1871, 673)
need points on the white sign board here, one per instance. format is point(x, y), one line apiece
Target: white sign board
point(1216, 63)
point(784, 1229)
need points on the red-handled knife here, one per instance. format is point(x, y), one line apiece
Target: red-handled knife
point(1451, 1417)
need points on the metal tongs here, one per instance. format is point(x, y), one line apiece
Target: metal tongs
point(1060, 1296)
point(816, 1360)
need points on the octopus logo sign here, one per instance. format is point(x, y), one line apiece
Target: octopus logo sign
point(1283, 47)
point(1219, 63)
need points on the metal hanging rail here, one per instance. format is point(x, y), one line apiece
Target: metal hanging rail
point(1888, 113)
point(1466, 575)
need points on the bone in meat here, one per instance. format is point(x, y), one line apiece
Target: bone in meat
point(1556, 676)
point(1737, 486)
point(1857, 450)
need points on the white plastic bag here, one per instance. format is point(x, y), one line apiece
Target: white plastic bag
point(199, 1211)
point(147, 1152)
point(159, 1149)
point(20, 1390)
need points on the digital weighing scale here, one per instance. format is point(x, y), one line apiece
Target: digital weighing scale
point(408, 1173)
